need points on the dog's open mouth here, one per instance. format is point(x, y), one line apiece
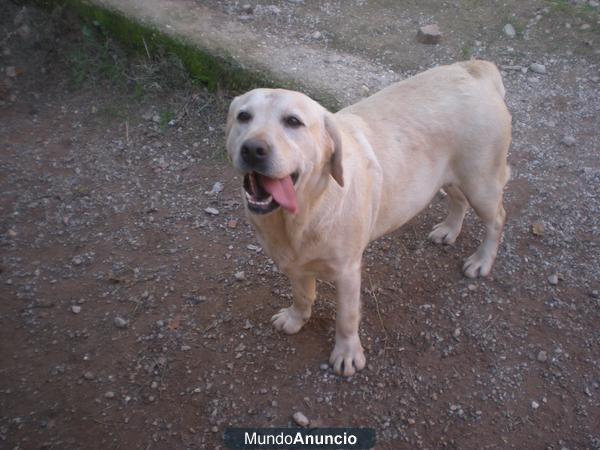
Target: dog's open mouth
point(265, 194)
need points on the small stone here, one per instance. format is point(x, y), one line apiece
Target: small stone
point(534, 404)
point(324, 366)
point(77, 261)
point(248, 325)
point(317, 35)
point(595, 294)
point(156, 118)
point(553, 279)
point(538, 228)
point(240, 348)
point(247, 8)
point(537, 68)
point(88, 375)
point(75, 309)
point(429, 34)
point(44, 303)
point(120, 322)
point(109, 394)
point(21, 16)
point(568, 140)
point(24, 32)
point(300, 419)
point(509, 30)
point(185, 348)
point(542, 356)
point(217, 188)
point(272, 9)
point(456, 333)
point(11, 72)
point(215, 429)
point(211, 211)
point(585, 26)
point(12, 233)
point(240, 276)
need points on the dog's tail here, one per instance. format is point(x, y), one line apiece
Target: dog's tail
point(485, 70)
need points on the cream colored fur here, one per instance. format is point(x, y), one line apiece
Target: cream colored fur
point(370, 168)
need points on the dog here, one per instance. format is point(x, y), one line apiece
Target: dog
point(318, 186)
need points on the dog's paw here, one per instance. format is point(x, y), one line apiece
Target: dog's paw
point(288, 320)
point(347, 356)
point(478, 264)
point(443, 233)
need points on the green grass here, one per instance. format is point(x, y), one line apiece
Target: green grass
point(466, 51)
point(165, 118)
point(584, 12)
point(91, 57)
point(215, 71)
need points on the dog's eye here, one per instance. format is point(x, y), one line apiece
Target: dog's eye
point(292, 121)
point(244, 116)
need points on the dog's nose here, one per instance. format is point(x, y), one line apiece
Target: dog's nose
point(255, 152)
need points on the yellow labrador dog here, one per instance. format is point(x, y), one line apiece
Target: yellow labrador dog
point(318, 187)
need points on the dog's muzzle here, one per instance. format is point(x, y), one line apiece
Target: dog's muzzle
point(255, 155)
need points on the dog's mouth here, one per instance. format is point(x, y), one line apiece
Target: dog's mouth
point(265, 194)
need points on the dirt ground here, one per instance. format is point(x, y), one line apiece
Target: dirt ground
point(136, 302)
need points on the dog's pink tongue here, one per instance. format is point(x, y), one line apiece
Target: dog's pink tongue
point(282, 191)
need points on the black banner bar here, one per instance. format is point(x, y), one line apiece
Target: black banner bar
point(299, 438)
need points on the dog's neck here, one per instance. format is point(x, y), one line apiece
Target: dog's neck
point(284, 236)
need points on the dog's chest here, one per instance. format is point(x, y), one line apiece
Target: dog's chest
point(296, 251)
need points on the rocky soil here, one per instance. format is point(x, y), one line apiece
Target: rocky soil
point(136, 302)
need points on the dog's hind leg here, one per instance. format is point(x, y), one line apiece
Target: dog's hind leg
point(290, 320)
point(487, 202)
point(447, 231)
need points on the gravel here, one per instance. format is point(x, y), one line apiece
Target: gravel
point(537, 68)
point(240, 276)
point(429, 34)
point(300, 419)
point(133, 209)
point(120, 322)
point(568, 140)
point(509, 30)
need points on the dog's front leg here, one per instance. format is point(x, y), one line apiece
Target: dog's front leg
point(348, 355)
point(291, 319)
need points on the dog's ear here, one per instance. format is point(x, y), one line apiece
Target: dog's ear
point(230, 117)
point(337, 171)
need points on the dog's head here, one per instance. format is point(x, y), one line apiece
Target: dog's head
point(285, 144)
